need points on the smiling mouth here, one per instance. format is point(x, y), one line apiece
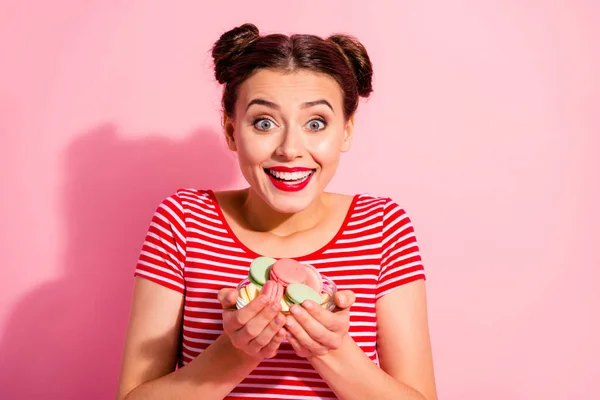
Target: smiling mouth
point(290, 177)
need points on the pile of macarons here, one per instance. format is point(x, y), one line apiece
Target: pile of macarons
point(285, 281)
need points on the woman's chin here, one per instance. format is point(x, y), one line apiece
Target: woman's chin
point(286, 201)
point(289, 204)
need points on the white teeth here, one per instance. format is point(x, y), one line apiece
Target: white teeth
point(290, 176)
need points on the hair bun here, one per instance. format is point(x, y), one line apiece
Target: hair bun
point(357, 59)
point(231, 45)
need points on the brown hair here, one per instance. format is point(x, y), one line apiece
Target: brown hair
point(242, 51)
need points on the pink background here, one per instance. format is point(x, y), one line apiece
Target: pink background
point(484, 125)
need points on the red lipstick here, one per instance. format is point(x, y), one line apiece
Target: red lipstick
point(289, 186)
point(281, 168)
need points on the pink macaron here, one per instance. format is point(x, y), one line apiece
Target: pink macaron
point(273, 291)
point(286, 271)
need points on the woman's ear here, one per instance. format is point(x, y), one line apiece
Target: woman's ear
point(228, 126)
point(348, 134)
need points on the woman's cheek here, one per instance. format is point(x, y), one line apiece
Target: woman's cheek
point(253, 151)
point(327, 149)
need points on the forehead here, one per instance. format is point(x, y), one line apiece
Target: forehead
point(291, 88)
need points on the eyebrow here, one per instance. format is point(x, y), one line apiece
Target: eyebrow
point(309, 104)
point(275, 106)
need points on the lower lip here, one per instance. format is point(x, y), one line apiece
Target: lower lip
point(289, 187)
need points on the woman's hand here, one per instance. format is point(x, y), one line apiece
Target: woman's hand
point(314, 331)
point(257, 329)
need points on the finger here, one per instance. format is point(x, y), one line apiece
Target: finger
point(324, 317)
point(271, 349)
point(254, 327)
point(344, 299)
point(238, 319)
point(300, 351)
point(227, 297)
point(268, 333)
point(296, 326)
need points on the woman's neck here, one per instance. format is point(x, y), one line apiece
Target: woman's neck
point(262, 218)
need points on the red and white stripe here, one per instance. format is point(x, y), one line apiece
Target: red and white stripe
point(190, 248)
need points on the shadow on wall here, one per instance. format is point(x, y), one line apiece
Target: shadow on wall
point(64, 339)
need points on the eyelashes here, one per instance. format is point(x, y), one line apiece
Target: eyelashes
point(319, 122)
point(265, 124)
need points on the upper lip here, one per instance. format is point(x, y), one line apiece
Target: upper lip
point(281, 168)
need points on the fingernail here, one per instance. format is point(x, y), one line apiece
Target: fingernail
point(263, 299)
point(342, 298)
point(308, 305)
point(279, 319)
point(290, 322)
point(296, 310)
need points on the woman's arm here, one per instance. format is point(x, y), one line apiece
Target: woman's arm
point(149, 358)
point(404, 350)
point(403, 343)
point(152, 343)
point(155, 326)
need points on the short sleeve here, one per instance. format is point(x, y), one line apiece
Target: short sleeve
point(400, 257)
point(162, 257)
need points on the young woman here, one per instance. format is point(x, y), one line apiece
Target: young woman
point(288, 107)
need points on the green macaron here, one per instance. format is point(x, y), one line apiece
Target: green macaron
point(260, 269)
point(298, 293)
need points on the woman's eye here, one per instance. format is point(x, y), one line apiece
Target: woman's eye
point(316, 125)
point(264, 124)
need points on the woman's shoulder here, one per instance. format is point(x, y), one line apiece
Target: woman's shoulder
point(357, 195)
point(371, 199)
point(386, 207)
point(185, 199)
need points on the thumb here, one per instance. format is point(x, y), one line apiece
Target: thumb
point(228, 297)
point(344, 299)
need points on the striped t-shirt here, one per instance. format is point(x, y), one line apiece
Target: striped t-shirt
point(190, 248)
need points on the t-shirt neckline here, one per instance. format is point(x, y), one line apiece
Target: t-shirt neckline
point(254, 254)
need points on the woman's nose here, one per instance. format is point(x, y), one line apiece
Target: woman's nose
point(291, 146)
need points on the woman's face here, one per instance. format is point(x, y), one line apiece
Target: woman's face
point(289, 130)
